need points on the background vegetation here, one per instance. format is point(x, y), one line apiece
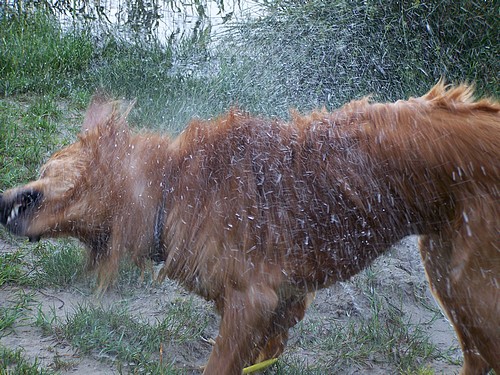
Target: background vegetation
point(296, 54)
point(290, 53)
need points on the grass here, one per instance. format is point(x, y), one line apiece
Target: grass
point(119, 334)
point(115, 333)
point(112, 333)
point(14, 310)
point(302, 55)
point(13, 362)
point(44, 264)
point(387, 332)
point(11, 268)
point(32, 127)
point(37, 56)
point(59, 264)
point(386, 336)
point(316, 53)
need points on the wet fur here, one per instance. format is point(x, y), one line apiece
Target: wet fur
point(256, 214)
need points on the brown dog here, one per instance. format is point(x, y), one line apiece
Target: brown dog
point(254, 214)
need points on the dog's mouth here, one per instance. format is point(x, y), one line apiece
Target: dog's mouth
point(15, 211)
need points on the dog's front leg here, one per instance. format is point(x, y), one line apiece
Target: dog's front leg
point(290, 311)
point(246, 316)
point(108, 263)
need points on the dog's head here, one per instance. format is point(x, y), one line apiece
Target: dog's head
point(69, 198)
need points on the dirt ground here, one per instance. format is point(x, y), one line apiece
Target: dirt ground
point(397, 276)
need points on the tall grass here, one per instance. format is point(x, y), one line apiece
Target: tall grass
point(37, 56)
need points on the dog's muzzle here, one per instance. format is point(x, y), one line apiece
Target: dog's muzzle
point(13, 210)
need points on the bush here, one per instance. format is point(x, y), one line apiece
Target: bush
point(317, 53)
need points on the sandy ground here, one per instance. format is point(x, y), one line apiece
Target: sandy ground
point(397, 276)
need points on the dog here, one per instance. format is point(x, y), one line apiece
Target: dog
point(256, 214)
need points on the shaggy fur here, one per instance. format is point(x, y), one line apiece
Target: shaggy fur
point(256, 214)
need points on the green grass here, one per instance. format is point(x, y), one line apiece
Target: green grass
point(114, 333)
point(386, 333)
point(13, 311)
point(60, 264)
point(43, 264)
point(11, 268)
point(117, 334)
point(387, 336)
point(13, 362)
point(121, 337)
point(37, 56)
point(32, 128)
point(300, 55)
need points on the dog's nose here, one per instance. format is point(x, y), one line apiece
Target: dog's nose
point(4, 210)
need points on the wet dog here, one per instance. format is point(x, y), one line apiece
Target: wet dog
point(256, 214)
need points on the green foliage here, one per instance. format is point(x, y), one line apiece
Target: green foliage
point(129, 68)
point(13, 311)
point(11, 268)
point(386, 335)
point(297, 54)
point(43, 264)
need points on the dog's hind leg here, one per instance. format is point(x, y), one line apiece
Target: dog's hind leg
point(470, 304)
point(246, 315)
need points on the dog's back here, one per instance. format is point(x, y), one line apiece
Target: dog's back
point(341, 185)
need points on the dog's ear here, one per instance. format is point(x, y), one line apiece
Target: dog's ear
point(99, 112)
point(105, 123)
point(106, 116)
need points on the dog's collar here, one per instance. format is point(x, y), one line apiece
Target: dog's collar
point(156, 251)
